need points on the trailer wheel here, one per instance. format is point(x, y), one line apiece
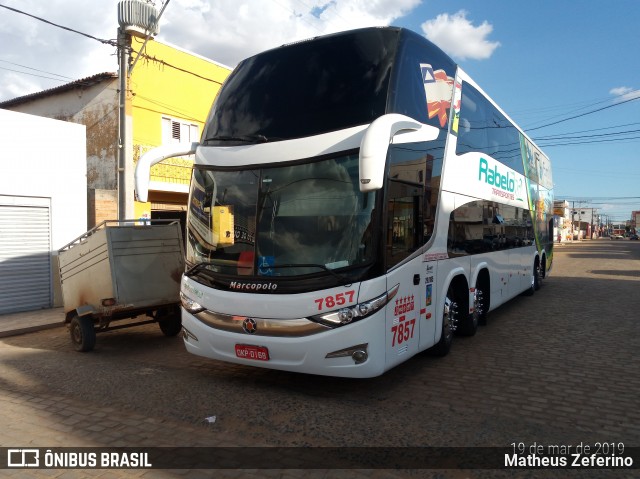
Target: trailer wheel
point(171, 325)
point(83, 334)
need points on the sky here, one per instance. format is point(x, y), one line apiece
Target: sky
point(566, 71)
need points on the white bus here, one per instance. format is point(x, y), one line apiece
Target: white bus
point(355, 199)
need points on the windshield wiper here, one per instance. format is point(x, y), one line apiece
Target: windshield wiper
point(242, 138)
point(345, 281)
point(194, 269)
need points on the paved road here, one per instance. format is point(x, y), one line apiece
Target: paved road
point(558, 368)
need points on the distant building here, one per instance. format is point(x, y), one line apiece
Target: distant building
point(635, 221)
point(575, 223)
point(169, 96)
point(562, 225)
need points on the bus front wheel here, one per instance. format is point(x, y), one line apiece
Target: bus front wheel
point(449, 323)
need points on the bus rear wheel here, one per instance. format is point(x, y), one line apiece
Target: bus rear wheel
point(536, 276)
point(539, 275)
point(469, 326)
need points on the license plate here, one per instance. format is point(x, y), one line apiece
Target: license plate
point(257, 353)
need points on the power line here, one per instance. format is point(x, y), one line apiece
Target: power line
point(584, 105)
point(168, 109)
point(585, 199)
point(35, 75)
point(34, 69)
point(162, 62)
point(567, 136)
point(113, 43)
point(584, 114)
point(599, 129)
point(571, 143)
point(107, 42)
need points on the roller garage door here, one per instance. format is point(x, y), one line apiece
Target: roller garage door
point(25, 254)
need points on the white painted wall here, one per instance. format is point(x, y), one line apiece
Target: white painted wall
point(45, 158)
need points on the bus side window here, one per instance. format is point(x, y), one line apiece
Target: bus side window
point(404, 212)
point(484, 129)
point(409, 180)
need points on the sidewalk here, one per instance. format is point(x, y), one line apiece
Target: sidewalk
point(28, 321)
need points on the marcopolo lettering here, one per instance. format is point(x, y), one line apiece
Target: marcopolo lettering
point(252, 286)
point(493, 177)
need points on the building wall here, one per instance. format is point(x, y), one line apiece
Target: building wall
point(102, 206)
point(45, 159)
point(166, 82)
point(179, 86)
point(95, 105)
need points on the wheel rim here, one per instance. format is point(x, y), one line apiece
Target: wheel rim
point(478, 305)
point(449, 319)
point(76, 334)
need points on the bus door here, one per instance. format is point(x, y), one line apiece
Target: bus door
point(427, 316)
point(403, 237)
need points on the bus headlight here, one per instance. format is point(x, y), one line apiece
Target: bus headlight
point(356, 312)
point(345, 315)
point(190, 305)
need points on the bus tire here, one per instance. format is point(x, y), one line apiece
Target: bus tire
point(535, 279)
point(83, 334)
point(449, 322)
point(539, 275)
point(469, 326)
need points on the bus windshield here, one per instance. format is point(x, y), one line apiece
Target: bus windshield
point(305, 89)
point(295, 220)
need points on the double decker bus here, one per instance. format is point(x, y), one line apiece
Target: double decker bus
point(355, 199)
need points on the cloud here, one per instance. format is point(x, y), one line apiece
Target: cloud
point(47, 56)
point(226, 31)
point(231, 30)
point(457, 36)
point(624, 93)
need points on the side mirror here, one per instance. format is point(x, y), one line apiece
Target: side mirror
point(375, 144)
point(156, 155)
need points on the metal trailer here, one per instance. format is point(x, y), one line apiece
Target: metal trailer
point(122, 269)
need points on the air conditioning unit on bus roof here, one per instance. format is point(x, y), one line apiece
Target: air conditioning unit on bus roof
point(138, 18)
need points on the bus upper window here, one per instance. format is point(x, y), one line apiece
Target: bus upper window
point(305, 89)
point(484, 129)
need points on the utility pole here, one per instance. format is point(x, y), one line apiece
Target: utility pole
point(573, 212)
point(139, 18)
point(123, 57)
